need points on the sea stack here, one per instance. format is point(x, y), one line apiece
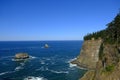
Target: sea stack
point(21, 56)
point(46, 46)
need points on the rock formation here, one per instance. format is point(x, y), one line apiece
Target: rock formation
point(89, 54)
point(107, 68)
point(20, 56)
point(100, 53)
point(46, 46)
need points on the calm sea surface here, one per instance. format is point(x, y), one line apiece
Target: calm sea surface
point(45, 63)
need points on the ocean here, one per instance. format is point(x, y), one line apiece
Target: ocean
point(51, 63)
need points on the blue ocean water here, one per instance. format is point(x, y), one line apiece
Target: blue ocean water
point(45, 63)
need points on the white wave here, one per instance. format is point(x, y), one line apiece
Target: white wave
point(18, 59)
point(58, 72)
point(34, 78)
point(14, 60)
point(3, 73)
point(18, 68)
point(42, 62)
point(42, 69)
point(72, 65)
point(82, 68)
point(32, 57)
point(71, 60)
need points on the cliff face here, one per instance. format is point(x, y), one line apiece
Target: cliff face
point(89, 54)
point(105, 68)
point(102, 57)
point(108, 68)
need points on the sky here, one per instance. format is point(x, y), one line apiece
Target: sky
point(22, 20)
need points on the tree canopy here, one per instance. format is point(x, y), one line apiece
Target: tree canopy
point(110, 35)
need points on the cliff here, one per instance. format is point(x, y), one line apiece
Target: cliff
point(107, 68)
point(89, 54)
point(100, 53)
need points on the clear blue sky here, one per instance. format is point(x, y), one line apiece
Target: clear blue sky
point(54, 19)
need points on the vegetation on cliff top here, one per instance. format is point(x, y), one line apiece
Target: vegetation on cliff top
point(110, 35)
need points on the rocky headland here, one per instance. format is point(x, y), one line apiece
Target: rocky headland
point(100, 53)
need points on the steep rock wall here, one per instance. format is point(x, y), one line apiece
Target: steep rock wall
point(110, 70)
point(89, 54)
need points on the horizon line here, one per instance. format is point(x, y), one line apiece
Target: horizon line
point(36, 40)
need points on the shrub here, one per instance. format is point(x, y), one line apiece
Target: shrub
point(110, 68)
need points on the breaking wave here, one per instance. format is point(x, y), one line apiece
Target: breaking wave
point(33, 57)
point(34, 78)
point(42, 69)
point(3, 73)
point(71, 60)
point(53, 71)
point(59, 72)
point(72, 65)
point(18, 68)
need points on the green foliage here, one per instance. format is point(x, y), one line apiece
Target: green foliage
point(110, 68)
point(95, 35)
point(110, 35)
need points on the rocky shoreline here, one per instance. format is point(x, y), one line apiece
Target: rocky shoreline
point(81, 66)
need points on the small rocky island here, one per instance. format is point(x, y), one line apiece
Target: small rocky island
point(21, 56)
point(46, 46)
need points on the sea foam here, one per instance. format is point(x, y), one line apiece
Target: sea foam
point(34, 78)
point(70, 64)
point(69, 61)
point(3, 73)
point(18, 68)
point(59, 72)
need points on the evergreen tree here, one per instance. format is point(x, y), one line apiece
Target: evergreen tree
point(110, 35)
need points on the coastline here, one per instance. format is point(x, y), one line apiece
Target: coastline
point(80, 66)
point(88, 58)
point(75, 62)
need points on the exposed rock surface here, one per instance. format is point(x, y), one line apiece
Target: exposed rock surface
point(102, 58)
point(89, 54)
point(107, 68)
point(21, 56)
